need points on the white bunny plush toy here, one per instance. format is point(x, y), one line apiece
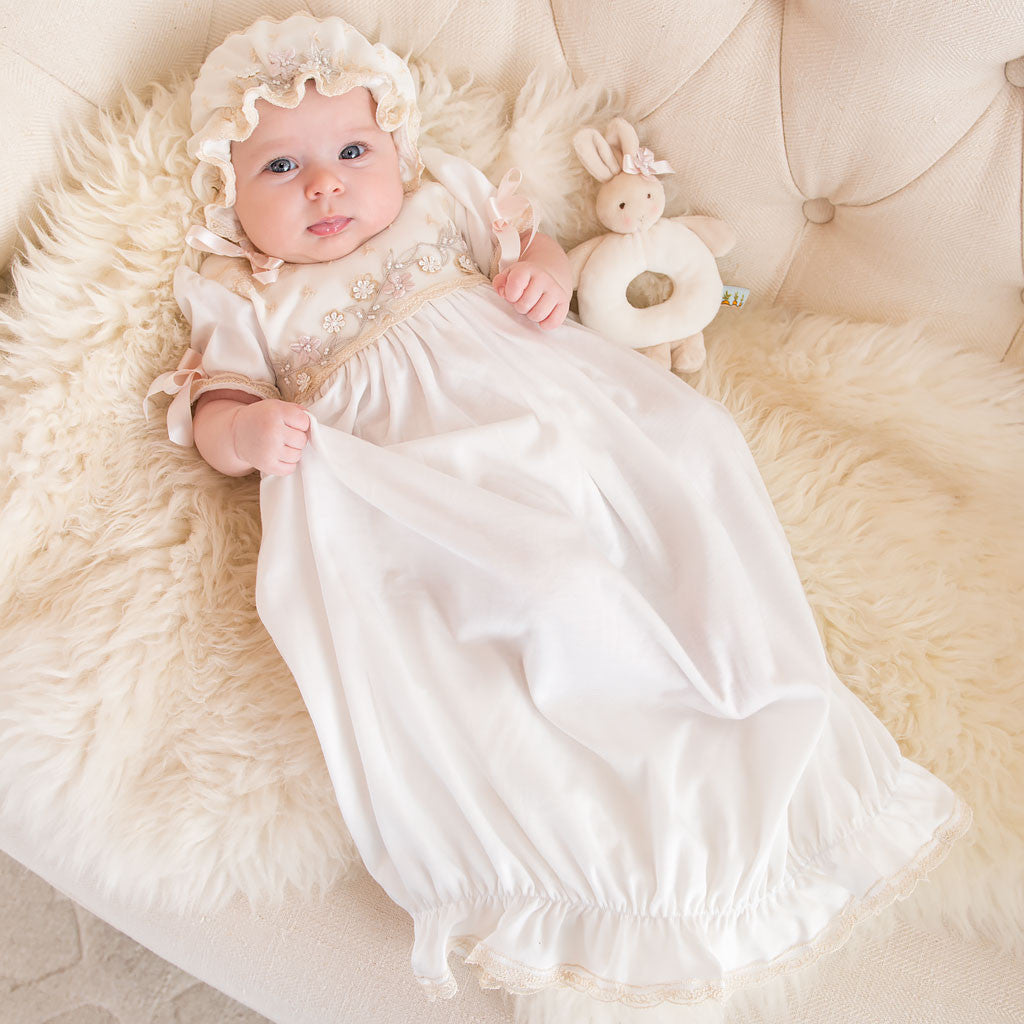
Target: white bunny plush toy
point(630, 203)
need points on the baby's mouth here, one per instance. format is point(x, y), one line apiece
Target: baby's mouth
point(329, 225)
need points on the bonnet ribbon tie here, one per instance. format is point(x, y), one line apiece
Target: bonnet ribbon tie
point(506, 208)
point(264, 267)
point(178, 383)
point(642, 162)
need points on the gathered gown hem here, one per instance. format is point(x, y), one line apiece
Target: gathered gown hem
point(593, 934)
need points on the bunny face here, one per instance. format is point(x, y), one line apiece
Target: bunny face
point(630, 202)
point(630, 198)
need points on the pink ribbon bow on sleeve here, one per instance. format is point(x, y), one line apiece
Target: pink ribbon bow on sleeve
point(264, 267)
point(642, 162)
point(178, 383)
point(507, 208)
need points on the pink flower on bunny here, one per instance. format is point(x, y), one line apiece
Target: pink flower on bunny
point(630, 203)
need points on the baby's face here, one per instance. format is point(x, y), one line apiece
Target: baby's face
point(316, 181)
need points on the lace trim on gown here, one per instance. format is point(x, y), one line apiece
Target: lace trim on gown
point(496, 971)
point(308, 382)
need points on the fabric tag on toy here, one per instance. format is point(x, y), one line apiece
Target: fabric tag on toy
point(733, 295)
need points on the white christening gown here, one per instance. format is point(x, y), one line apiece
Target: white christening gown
point(573, 701)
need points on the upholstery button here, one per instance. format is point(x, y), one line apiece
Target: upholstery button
point(819, 211)
point(1014, 71)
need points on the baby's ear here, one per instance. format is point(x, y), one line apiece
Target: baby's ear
point(595, 154)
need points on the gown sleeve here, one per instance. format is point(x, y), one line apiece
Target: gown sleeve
point(491, 219)
point(227, 349)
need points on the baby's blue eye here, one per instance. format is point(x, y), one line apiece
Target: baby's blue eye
point(282, 165)
point(351, 152)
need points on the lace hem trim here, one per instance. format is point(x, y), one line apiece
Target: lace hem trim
point(495, 971)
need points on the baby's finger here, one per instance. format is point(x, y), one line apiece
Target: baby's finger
point(543, 307)
point(289, 456)
point(297, 439)
point(297, 417)
point(277, 467)
point(529, 298)
point(499, 282)
point(556, 317)
point(516, 282)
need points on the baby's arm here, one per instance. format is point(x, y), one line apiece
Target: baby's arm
point(236, 432)
point(539, 285)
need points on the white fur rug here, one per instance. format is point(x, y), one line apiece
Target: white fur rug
point(150, 732)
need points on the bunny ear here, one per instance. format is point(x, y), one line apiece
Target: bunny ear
point(595, 154)
point(623, 138)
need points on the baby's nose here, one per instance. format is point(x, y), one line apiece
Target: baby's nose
point(323, 182)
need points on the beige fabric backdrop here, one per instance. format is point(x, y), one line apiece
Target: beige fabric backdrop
point(868, 154)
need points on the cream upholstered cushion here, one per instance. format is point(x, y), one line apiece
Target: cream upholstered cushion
point(869, 154)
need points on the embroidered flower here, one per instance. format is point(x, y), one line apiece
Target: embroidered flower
point(313, 359)
point(334, 321)
point(306, 347)
point(430, 264)
point(397, 283)
point(392, 115)
point(450, 237)
point(282, 63)
point(363, 287)
point(321, 60)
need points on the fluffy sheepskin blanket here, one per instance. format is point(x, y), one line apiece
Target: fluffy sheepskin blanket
point(150, 732)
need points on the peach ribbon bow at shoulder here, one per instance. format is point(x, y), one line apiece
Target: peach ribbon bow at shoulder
point(642, 162)
point(264, 267)
point(506, 210)
point(178, 383)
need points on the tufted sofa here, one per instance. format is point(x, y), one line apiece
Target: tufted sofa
point(870, 155)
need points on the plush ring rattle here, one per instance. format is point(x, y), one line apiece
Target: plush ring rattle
point(630, 203)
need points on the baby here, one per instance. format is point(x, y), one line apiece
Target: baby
point(568, 687)
point(313, 183)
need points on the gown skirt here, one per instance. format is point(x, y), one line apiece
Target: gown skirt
point(570, 692)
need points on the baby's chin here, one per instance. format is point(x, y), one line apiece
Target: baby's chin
point(312, 247)
point(310, 253)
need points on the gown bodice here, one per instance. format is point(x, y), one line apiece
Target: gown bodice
point(314, 316)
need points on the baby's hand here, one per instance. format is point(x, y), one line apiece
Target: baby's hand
point(270, 435)
point(532, 290)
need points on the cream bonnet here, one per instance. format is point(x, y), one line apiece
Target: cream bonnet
point(273, 60)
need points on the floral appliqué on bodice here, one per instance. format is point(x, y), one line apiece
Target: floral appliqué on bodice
point(317, 315)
